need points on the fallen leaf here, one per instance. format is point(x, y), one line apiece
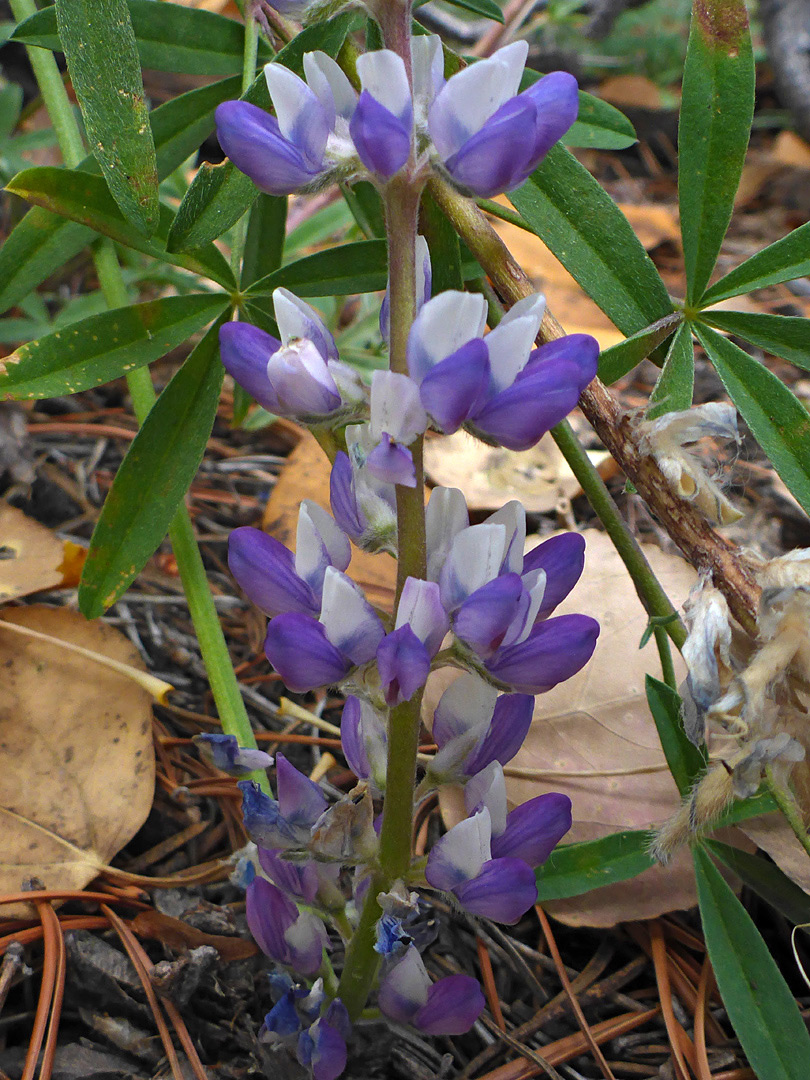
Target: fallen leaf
point(306, 476)
point(32, 559)
point(77, 769)
point(179, 935)
point(635, 92)
point(791, 149)
point(491, 475)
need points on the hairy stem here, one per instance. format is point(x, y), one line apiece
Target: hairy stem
point(784, 799)
point(216, 658)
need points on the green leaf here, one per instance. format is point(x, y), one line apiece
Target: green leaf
point(326, 36)
point(777, 419)
point(182, 124)
point(84, 197)
point(759, 1004)
point(717, 107)
point(785, 260)
point(576, 218)
point(352, 268)
point(264, 244)
point(153, 478)
point(169, 37)
point(686, 762)
point(42, 242)
point(781, 335)
point(676, 383)
point(105, 70)
point(619, 359)
point(365, 204)
point(216, 199)
point(766, 879)
point(104, 347)
point(573, 869)
point(487, 8)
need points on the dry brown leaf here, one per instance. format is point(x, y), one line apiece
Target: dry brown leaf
point(306, 476)
point(32, 559)
point(489, 476)
point(791, 149)
point(632, 91)
point(77, 769)
point(180, 936)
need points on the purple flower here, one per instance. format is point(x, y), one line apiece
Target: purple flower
point(306, 141)
point(364, 506)
point(382, 122)
point(490, 138)
point(473, 726)
point(364, 736)
point(447, 1007)
point(403, 663)
point(554, 651)
point(562, 559)
point(397, 418)
point(502, 889)
point(311, 881)
point(310, 653)
point(323, 1047)
point(296, 939)
point(225, 753)
point(498, 385)
point(276, 580)
point(298, 376)
point(286, 822)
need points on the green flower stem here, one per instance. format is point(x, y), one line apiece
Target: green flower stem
point(216, 658)
point(249, 56)
point(652, 596)
point(665, 656)
point(784, 799)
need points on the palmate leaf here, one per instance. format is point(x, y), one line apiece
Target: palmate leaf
point(782, 335)
point(619, 359)
point(784, 260)
point(340, 271)
point(575, 217)
point(766, 879)
point(42, 242)
point(153, 478)
point(717, 107)
point(675, 386)
point(758, 1001)
point(85, 198)
point(573, 869)
point(104, 347)
point(777, 419)
point(102, 59)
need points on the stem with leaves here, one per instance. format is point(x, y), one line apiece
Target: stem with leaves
point(216, 658)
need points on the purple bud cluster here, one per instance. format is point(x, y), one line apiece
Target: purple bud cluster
point(484, 605)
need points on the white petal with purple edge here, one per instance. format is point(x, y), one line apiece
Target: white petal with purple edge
point(319, 542)
point(301, 379)
point(488, 789)
point(445, 517)
point(513, 516)
point(465, 706)
point(474, 558)
point(512, 340)
point(472, 95)
point(350, 622)
point(427, 62)
point(296, 319)
point(444, 324)
point(461, 852)
point(301, 117)
point(420, 606)
point(404, 988)
point(329, 83)
point(382, 73)
point(396, 408)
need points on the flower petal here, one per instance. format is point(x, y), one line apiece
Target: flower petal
point(534, 829)
point(474, 558)
point(404, 987)
point(512, 340)
point(298, 648)
point(382, 74)
point(562, 558)
point(351, 739)
point(265, 569)
point(403, 663)
point(381, 139)
point(444, 324)
point(420, 607)
point(319, 542)
point(330, 85)
point(503, 891)
point(454, 1004)
point(297, 319)
point(484, 618)
point(580, 350)
point(302, 120)
point(520, 415)
point(554, 651)
point(511, 719)
point(245, 350)
point(351, 623)
point(342, 498)
point(302, 380)
point(461, 853)
point(300, 800)
point(269, 913)
point(451, 389)
point(251, 139)
point(445, 517)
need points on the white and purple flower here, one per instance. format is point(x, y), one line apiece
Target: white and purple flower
point(449, 1006)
